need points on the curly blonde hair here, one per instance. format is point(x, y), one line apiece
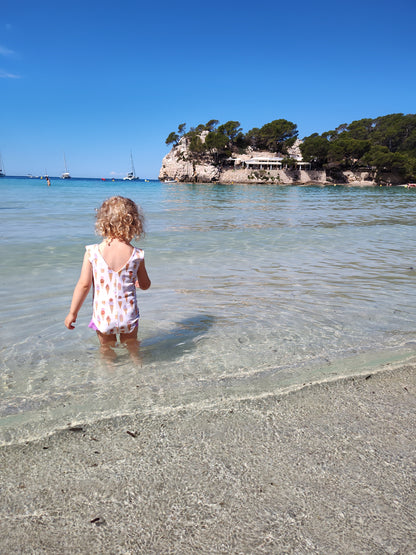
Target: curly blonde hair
point(120, 218)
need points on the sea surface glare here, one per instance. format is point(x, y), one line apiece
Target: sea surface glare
point(255, 290)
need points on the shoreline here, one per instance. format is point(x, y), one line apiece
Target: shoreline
point(327, 468)
point(228, 182)
point(292, 184)
point(209, 404)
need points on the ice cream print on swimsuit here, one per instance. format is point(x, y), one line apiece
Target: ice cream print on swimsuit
point(115, 308)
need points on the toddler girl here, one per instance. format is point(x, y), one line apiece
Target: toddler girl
point(115, 268)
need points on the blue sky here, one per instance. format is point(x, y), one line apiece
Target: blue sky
point(95, 80)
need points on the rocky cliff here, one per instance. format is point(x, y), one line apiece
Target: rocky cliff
point(183, 166)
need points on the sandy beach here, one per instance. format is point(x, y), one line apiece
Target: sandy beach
point(329, 468)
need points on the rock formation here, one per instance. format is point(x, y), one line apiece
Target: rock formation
point(181, 165)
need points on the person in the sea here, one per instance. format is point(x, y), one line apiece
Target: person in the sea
point(115, 268)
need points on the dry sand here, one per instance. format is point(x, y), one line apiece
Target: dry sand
point(327, 469)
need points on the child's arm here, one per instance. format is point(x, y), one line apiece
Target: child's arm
point(143, 280)
point(80, 292)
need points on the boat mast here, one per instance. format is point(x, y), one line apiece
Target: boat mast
point(132, 164)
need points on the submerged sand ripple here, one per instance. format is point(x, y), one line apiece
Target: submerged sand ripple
point(327, 469)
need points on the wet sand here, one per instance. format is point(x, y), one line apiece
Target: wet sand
point(330, 468)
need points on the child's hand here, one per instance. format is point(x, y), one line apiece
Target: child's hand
point(70, 321)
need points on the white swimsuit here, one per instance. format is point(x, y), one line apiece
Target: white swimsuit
point(115, 307)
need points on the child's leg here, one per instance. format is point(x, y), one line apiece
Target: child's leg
point(132, 343)
point(107, 343)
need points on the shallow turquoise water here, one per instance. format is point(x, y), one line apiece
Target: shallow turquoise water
point(254, 289)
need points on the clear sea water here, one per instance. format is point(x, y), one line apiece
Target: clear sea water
point(255, 290)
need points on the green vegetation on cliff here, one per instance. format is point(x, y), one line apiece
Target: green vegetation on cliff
point(222, 140)
point(385, 145)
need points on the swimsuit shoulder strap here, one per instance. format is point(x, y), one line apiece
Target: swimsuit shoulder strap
point(92, 251)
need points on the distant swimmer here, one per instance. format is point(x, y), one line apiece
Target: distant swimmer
point(48, 181)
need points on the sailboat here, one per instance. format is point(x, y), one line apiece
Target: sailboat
point(2, 174)
point(65, 175)
point(131, 176)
